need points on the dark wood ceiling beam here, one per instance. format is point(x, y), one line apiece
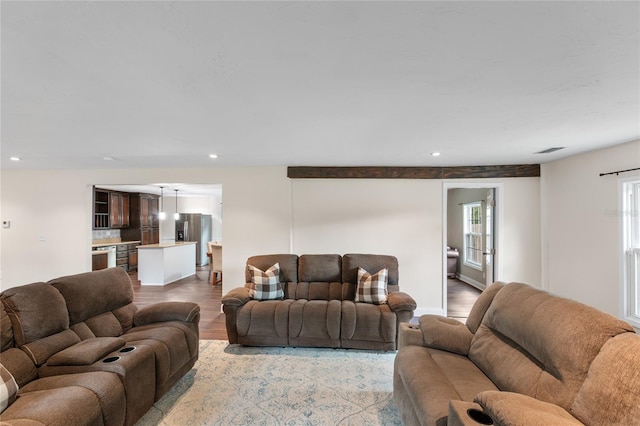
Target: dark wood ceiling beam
point(462, 172)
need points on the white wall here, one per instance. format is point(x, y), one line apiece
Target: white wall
point(265, 212)
point(56, 205)
point(404, 218)
point(581, 225)
point(395, 217)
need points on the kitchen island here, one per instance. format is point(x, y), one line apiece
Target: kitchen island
point(164, 263)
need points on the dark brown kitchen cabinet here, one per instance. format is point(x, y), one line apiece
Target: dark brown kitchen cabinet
point(122, 256)
point(110, 209)
point(118, 210)
point(100, 209)
point(99, 261)
point(133, 257)
point(143, 219)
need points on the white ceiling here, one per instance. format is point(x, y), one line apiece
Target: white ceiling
point(304, 83)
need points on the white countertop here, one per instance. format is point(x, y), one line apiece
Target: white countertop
point(166, 245)
point(114, 243)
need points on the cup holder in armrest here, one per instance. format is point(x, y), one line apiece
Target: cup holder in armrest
point(479, 416)
point(127, 349)
point(111, 359)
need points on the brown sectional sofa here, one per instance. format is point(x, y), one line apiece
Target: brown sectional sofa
point(318, 308)
point(524, 357)
point(83, 354)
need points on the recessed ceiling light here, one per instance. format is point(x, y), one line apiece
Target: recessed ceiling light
point(213, 155)
point(15, 158)
point(107, 158)
point(435, 154)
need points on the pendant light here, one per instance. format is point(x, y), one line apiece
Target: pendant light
point(176, 215)
point(161, 214)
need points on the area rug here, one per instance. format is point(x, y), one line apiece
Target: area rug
point(237, 385)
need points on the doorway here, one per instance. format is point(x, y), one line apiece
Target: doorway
point(471, 229)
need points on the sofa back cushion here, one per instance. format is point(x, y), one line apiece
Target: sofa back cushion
point(39, 320)
point(371, 263)
point(540, 345)
point(481, 305)
point(288, 266)
point(15, 361)
point(103, 300)
point(320, 267)
point(6, 330)
point(320, 278)
point(611, 391)
point(36, 311)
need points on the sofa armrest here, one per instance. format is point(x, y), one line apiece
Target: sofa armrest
point(446, 334)
point(167, 311)
point(508, 408)
point(236, 297)
point(399, 301)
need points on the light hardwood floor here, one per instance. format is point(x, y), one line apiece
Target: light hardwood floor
point(198, 289)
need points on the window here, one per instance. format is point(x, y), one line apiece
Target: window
point(630, 208)
point(473, 235)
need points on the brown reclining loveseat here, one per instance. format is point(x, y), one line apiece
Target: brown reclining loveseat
point(82, 353)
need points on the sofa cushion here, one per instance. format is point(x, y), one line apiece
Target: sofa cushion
point(36, 311)
point(523, 340)
point(370, 262)
point(315, 323)
point(40, 350)
point(481, 305)
point(19, 365)
point(427, 379)
point(265, 285)
point(611, 391)
point(264, 323)
point(73, 405)
point(102, 389)
point(372, 288)
point(288, 266)
point(367, 326)
point(6, 330)
point(320, 268)
point(93, 293)
point(8, 388)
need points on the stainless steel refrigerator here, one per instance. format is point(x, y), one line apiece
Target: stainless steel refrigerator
point(196, 227)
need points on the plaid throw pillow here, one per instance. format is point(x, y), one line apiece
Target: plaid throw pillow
point(265, 285)
point(8, 388)
point(372, 288)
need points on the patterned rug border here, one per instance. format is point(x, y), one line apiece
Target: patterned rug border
point(234, 384)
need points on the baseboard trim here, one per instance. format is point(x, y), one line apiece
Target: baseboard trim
point(480, 286)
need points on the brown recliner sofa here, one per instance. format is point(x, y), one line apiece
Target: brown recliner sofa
point(82, 353)
point(318, 308)
point(524, 357)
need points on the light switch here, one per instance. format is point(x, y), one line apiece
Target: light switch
point(6, 224)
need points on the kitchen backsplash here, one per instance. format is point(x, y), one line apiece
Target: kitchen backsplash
point(105, 234)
